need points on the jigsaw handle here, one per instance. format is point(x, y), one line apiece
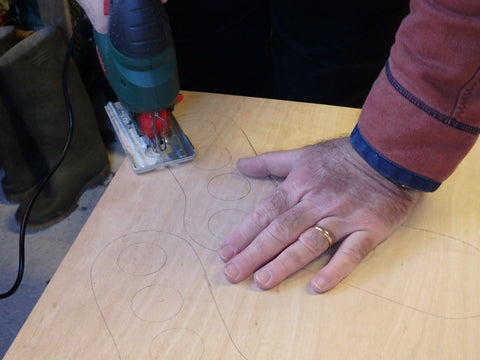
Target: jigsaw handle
point(138, 55)
point(139, 28)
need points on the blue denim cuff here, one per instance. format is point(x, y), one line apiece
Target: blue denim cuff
point(387, 168)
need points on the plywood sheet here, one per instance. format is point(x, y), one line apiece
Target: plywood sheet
point(143, 279)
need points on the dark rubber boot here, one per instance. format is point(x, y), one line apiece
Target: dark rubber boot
point(31, 73)
point(15, 147)
point(7, 38)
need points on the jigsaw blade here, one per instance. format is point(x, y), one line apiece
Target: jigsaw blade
point(142, 156)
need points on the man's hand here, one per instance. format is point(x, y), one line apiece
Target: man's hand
point(97, 14)
point(327, 185)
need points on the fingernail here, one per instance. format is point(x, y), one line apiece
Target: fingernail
point(227, 252)
point(231, 271)
point(263, 277)
point(319, 285)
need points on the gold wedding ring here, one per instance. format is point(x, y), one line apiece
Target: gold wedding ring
point(327, 235)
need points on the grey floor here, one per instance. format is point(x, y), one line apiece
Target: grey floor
point(45, 249)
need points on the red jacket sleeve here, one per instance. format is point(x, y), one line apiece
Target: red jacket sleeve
point(423, 112)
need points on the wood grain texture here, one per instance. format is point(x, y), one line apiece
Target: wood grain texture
point(143, 280)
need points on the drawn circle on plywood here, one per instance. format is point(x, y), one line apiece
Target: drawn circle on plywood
point(212, 158)
point(156, 303)
point(132, 259)
point(229, 187)
point(197, 126)
point(223, 222)
point(177, 344)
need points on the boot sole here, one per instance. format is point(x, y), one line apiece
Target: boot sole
point(97, 180)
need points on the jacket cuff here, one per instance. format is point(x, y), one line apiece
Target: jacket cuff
point(389, 169)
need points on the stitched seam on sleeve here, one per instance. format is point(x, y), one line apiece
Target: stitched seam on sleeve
point(427, 109)
point(466, 96)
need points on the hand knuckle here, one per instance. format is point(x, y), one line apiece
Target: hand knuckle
point(284, 265)
point(277, 200)
point(261, 217)
point(336, 273)
point(312, 243)
point(355, 255)
point(279, 231)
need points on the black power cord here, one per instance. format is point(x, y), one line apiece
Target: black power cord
point(23, 226)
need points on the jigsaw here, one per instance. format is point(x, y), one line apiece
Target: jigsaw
point(138, 58)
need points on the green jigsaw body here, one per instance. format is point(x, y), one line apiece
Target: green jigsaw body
point(142, 85)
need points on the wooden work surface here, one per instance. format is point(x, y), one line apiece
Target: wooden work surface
point(143, 280)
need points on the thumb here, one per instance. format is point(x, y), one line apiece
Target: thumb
point(279, 163)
